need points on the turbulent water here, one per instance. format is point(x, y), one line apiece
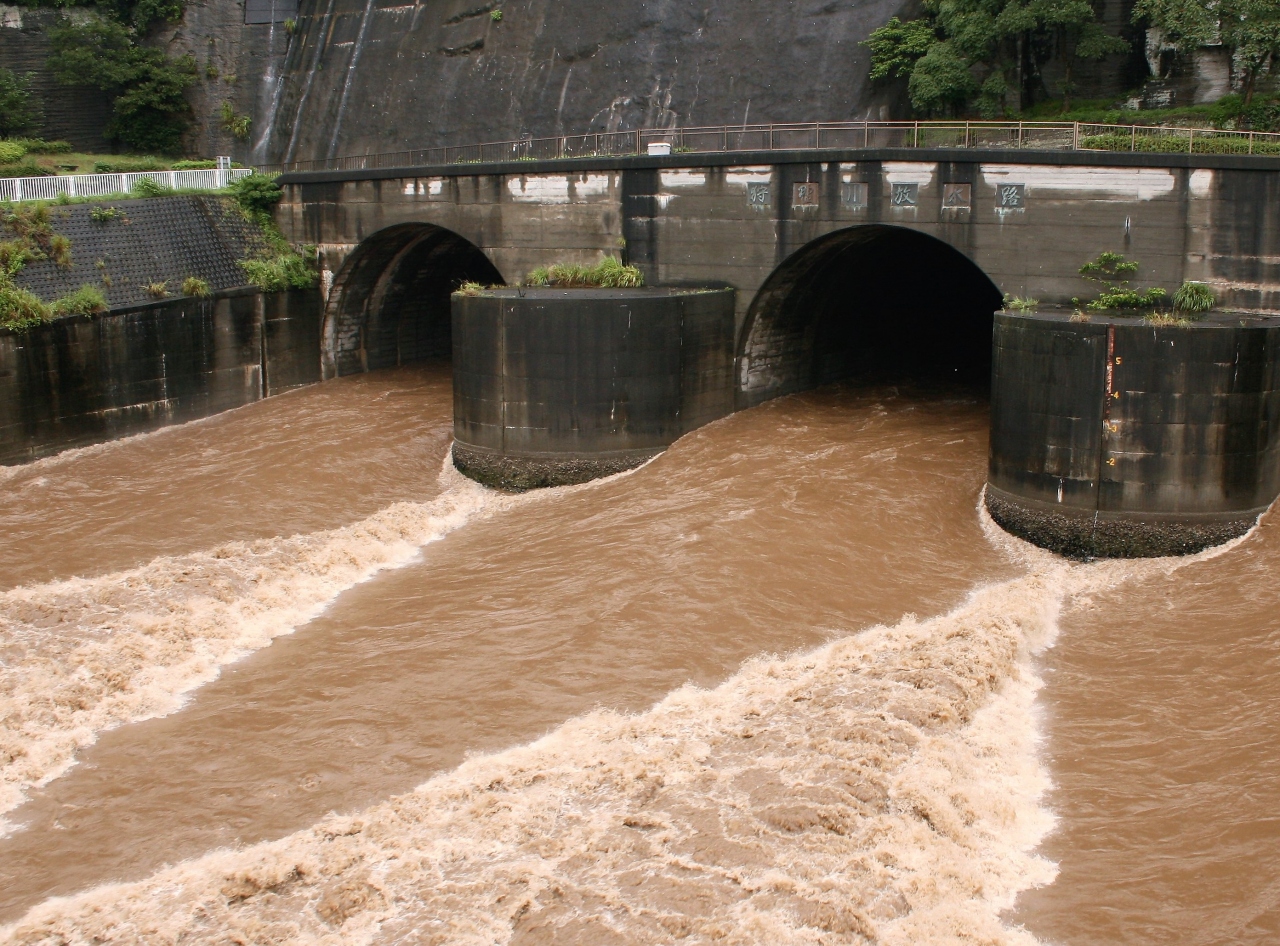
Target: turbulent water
point(781, 685)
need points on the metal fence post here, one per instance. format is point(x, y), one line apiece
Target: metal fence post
point(915, 136)
point(1133, 140)
point(1191, 142)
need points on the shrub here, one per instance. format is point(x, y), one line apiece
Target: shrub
point(238, 126)
point(157, 290)
point(1111, 272)
point(105, 214)
point(146, 187)
point(19, 109)
point(60, 251)
point(1193, 297)
point(20, 309)
point(256, 193)
point(609, 273)
point(11, 152)
point(127, 166)
point(195, 286)
point(40, 146)
point(87, 300)
point(24, 170)
point(284, 271)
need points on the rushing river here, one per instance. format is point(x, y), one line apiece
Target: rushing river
point(282, 675)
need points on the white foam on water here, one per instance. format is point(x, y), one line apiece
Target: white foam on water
point(884, 787)
point(81, 656)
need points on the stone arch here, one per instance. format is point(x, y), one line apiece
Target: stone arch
point(389, 304)
point(878, 302)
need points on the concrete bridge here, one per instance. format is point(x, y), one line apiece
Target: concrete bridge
point(820, 245)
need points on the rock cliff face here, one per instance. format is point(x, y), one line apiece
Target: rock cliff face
point(384, 75)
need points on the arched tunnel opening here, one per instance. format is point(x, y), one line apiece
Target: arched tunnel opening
point(877, 303)
point(390, 302)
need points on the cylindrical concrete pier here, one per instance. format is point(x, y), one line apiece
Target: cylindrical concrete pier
point(1117, 438)
point(559, 386)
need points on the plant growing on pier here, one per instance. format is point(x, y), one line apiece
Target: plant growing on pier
point(1111, 271)
point(1020, 304)
point(609, 273)
point(1193, 298)
point(195, 286)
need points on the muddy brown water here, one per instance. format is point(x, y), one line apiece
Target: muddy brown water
point(775, 531)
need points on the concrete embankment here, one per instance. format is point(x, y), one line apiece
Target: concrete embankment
point(156, 357)
point(1115, 437)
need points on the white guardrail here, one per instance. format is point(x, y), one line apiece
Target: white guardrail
point(111, 185)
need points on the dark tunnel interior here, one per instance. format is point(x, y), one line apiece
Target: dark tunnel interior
point(393, 305)
point(880, 304)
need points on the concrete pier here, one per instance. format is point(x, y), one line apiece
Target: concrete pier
point(1114, 437)
point(558, 386)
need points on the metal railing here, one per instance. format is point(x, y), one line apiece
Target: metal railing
point(1040, 136)
point(104, 185)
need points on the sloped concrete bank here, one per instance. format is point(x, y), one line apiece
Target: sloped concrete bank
point(1117, 438)
point(78, 381)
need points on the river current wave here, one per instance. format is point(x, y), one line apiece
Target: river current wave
point(785, 684)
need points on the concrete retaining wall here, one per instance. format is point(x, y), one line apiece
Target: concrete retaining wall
point(561, 386)
point(1117, 438)
point(79, 381)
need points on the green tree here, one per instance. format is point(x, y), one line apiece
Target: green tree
point(140, 14)
point(149, 110)
point(984, 53)
point(1248, 29)
point(19, 111)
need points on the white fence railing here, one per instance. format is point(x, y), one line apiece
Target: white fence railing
point(104, 185)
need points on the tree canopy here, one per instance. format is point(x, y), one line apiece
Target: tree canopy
point(1249, 29)
point(149, 109)
point(140, 14)
point(19, 110)
point(965, 54)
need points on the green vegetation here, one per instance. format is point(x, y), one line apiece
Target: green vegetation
point(256, 193)
point(106, 214)
point(19, 110)
point(1020, 304)
point(495, 16)
point(1165, 318)
point(281, 266)
point(288, 270)
point(146, 187)
point(237, 126)
point(1111, 271)
point(291, 26)
point(29, 238)
point(195, 286)
point(963, 55)
point(1194, 298)
point(470, 288)
point(609, 273)
point(157, 290)
point(1249, 30)
point(87, 300)
point(140, 15)
point(1174, 144)
point(149, 106)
